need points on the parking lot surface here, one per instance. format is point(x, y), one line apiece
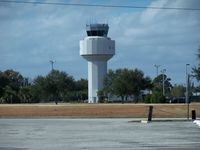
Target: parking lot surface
point(97, 134)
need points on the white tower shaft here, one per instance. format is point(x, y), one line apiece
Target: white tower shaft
point(96, 73)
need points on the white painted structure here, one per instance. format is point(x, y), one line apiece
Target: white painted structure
point(197, 122)
point(97, 49)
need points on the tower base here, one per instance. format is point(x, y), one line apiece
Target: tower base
point(96, 73)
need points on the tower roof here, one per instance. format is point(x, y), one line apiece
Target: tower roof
point(97, 29)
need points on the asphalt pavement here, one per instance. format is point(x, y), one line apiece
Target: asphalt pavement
point(97, 134)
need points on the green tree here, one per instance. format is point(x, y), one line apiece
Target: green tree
point(57, 85)
point(158, 84)
point(178, 91)
point(157, 97)
point(54, 86)
point(15, 79)
point(157, 90)
point(10, 84)
point(10, 95)
point(125, 83)
point(81, 84)
point(26, 95)
point(108, 82)
point(81, 88)
point(138, 83)
point(120, 84)
point(38, 89)
point(4, 81)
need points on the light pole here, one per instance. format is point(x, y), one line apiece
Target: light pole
point(52, 62)
point(163, 80)
point(187, 90)
point(157, 66)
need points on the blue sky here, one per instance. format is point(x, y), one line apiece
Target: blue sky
point(31, 35)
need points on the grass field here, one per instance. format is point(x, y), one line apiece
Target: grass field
point(96, 110)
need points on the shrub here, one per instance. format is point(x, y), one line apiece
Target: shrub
point(157, 98)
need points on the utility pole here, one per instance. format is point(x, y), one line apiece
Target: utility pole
point(163, 80)
point(187, 90)
point(157, 66)
point(52, 63)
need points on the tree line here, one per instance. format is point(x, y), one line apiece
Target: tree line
point(125, 83)
point(133, 86)
point(55, 86)
point(58, 86)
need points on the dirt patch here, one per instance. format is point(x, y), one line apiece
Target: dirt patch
point(97, 110)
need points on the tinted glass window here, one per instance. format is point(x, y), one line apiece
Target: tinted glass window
point(97, 33)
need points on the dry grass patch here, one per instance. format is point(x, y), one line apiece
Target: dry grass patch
point(97, 110)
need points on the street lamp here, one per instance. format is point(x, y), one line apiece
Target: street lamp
point(163, 80)
point(187, 90)
point(157, 66)
point(187, 84)
point(52, 63)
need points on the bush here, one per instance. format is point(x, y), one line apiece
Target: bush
point(147, 98)
point(157, 98)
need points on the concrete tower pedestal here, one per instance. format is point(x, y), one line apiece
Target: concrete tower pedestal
point(97, 49)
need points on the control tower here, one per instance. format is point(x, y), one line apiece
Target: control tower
point(97, 49)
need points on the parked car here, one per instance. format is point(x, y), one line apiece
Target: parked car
point(178, 100)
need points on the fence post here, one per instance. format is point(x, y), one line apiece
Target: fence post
point(150, 113)
point(193, 115)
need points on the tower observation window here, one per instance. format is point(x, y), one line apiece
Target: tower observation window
point(97, 29)
point(97, 33)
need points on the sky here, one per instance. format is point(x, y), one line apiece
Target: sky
point(31, 35)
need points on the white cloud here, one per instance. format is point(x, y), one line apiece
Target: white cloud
point(149, 15)
point(166, 37)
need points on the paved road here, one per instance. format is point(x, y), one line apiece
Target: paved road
point(96, 134)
